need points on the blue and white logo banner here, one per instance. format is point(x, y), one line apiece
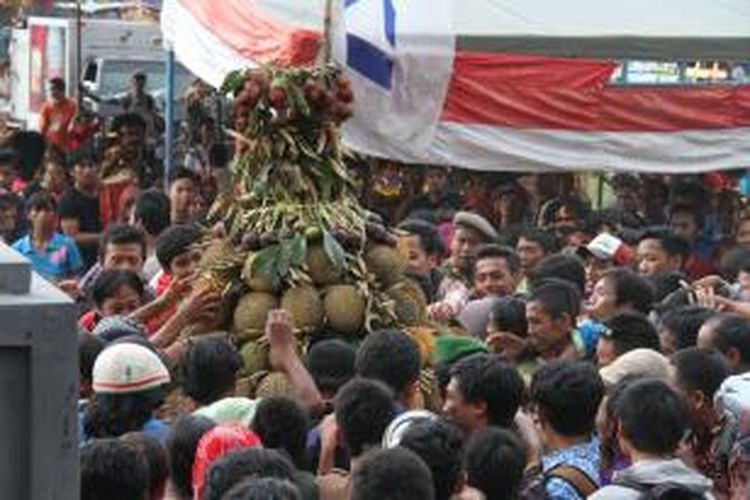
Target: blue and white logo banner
point(399, 55)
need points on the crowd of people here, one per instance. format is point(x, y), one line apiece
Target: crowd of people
point(573, 352)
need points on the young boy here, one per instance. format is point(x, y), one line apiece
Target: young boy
point(179, 255)
point(496, 272)
point(565, 396)
point(53, 255)
point(182, 191)
point(79, 209)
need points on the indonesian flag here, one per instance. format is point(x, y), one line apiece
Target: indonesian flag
point(419, 99)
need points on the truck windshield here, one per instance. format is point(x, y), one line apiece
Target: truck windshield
point(116, 75)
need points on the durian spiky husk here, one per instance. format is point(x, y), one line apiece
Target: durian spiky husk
point(345, 309)
point(304, 304)
point(386, 263)
point(410, 302)
point(255, 354)
point(320, 268)
point(272, 385)
point(255, 281)
point(251, 313)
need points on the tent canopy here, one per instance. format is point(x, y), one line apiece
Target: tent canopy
point(668, 30)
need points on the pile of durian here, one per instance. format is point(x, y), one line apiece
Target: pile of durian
point(297, 237)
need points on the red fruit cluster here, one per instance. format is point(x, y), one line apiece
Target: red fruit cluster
point(328, 96)
point(333, 99)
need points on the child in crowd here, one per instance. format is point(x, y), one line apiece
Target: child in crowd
point(52, 254)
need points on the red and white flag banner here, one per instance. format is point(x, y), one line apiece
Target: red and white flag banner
point(419, 99)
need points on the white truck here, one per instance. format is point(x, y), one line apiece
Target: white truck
point(110, 52)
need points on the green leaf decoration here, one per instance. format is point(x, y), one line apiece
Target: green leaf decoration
point(334, 250)
point(299, 250)
point(267, 262)
point(233, 83)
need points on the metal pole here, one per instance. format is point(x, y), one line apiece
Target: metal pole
point(169, 134)
point(79, 49)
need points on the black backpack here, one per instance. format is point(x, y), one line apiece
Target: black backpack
point(662, 491)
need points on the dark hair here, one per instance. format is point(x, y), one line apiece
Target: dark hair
point(114, 470)
point(545, 239)
point(122, 234)
point(670, 242)
point(209, 370)
point(735, 260)
point(494, 461)
point(331, 364)
point(493, 251)
point(558, 297)
point(110, 281)
point(652, 416)
point(665, 284)
point(609, 446)
point(151, 208)
point(629, 331)
point(265, 488)
point(282, 423)
point(700, 370)
point(232, 468)
point(487, 378)
point(156, 457)
point(40, 201)
point(567, 396)
point(133, 120)
point(30, 148)
point(684, 322)
point(565, 267)
point(695, 212)
point(429, 238)
point(363, 409)
point(219, 155)
point(390, 356)
point(509, 315)
point(440, 445)
point(691, 188)
point(57, 83)
point(631, 289)
point(395, 474)
point(175, 241)
point(182, 173)
point(182, 442)
point(734, 332)
point(112, 415)
point(89, 347)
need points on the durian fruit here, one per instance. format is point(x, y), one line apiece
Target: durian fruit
point(250, 315)
point(304, 304)
point(257, 282)
point(345, 308)
point(272, 385)
point(386, 263)
point(320, 268)
point(256, 357)
point(410, 302)
point(216, 252)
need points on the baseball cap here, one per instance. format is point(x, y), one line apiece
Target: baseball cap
point(608, 247)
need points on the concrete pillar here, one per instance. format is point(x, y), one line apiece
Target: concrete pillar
point(38, 385)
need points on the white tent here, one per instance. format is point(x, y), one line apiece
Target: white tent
point(635, 29)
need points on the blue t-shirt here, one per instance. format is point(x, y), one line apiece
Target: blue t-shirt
point(585, 457)
point(61, 258)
